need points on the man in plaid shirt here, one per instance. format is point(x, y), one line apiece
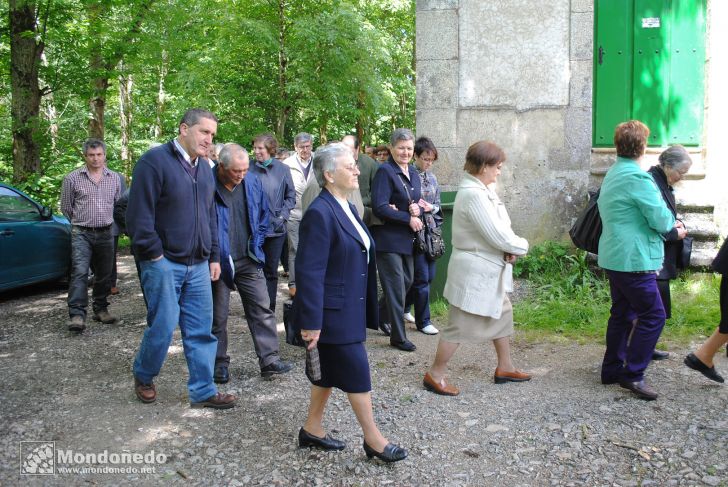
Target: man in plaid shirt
point(87, 200)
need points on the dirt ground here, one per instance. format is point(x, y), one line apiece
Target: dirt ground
point(74, 394)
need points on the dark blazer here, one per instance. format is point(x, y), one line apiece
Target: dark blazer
point(337, 290)
point(673, 245)
point(388, 187)
point(720, 263)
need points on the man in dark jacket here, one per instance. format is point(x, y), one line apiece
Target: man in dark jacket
point(242, 222)
point(173, 228)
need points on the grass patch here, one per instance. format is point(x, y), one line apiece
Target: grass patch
point(569, 299)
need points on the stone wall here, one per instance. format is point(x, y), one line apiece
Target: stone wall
point(519, 73)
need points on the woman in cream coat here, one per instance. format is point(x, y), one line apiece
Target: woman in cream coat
point(479, 274)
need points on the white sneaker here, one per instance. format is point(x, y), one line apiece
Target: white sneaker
point(430, 330)
point(409, 317)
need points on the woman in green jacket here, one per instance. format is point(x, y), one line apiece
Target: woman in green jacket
point(631, 250)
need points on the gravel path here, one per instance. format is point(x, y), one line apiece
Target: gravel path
point(562, 428)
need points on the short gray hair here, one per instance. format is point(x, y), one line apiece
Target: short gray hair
point(325, 160)
point(230, 152)
point(674, 157)
point(401, 134)
point(93, 144)
point(302, 137)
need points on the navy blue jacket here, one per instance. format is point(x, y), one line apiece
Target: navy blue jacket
point(395, 235)
point(278, 185)
point(340, 292)
point(257, 206)
point(171, 213)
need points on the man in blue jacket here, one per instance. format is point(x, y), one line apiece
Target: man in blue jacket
point(242, 222)
point(171, 221)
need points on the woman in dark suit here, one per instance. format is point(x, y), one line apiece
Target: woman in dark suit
point(337, 302)
point(674, 163)
point(702, 359)
point(395, 194)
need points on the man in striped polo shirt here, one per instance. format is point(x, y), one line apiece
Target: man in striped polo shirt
point(87, 200)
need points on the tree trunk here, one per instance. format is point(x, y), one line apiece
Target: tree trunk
point(99, 82)
point(50, 112)
point(25, 52)
point(101, 67)
point(323, 131)
point(161, 98)
point(284, 107)
point(125, 119)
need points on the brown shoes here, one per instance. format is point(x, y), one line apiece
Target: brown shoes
point(105, 317)
point(145, 392)
point(501, 376)
point(442, 388)
point(218, 401)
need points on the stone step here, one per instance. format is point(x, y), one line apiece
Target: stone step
point(700, 258)
point(701, 226)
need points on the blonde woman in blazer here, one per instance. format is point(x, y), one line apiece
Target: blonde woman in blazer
point(479, 273)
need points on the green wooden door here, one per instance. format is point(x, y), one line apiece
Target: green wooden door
point(649, 60)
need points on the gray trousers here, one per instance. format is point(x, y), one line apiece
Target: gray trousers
point(251, 285)
point(396, 272)
point(292, 248)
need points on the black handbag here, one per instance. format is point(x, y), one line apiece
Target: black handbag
point(587, 229)
point(293, 336)
point(683, 258)
point(429, 240)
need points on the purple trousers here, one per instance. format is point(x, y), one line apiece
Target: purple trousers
point(636, 321)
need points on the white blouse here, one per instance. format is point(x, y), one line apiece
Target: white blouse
point(362, 233)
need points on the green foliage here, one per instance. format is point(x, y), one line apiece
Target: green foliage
point(350, 63)
point(566, 295)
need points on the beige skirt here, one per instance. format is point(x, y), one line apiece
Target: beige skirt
point(467, 327)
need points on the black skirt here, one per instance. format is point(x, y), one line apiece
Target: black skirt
point(345, 367)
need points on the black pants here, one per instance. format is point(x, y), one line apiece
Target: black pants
point(272, 247)
point(396, 272)
point(90, 247)
point(663, 285)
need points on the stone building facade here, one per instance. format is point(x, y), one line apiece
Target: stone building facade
point(520, 73)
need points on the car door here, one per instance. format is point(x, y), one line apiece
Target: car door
point(32, 248)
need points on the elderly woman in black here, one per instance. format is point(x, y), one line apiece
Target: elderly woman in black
point(674, 163)
point(395, 197)
point(337, 304)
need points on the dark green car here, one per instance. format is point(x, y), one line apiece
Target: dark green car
point(35, 245)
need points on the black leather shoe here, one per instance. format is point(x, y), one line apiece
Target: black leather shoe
point(660, 355)
point(276, 368)
point(641, 389)
point(222, 376)
point(306, 439)
point(696, 364)
point(386, 329)
point(406, 345)
point(391, 453)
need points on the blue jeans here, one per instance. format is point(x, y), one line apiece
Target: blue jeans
point(419, 292)
point(177, 293)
